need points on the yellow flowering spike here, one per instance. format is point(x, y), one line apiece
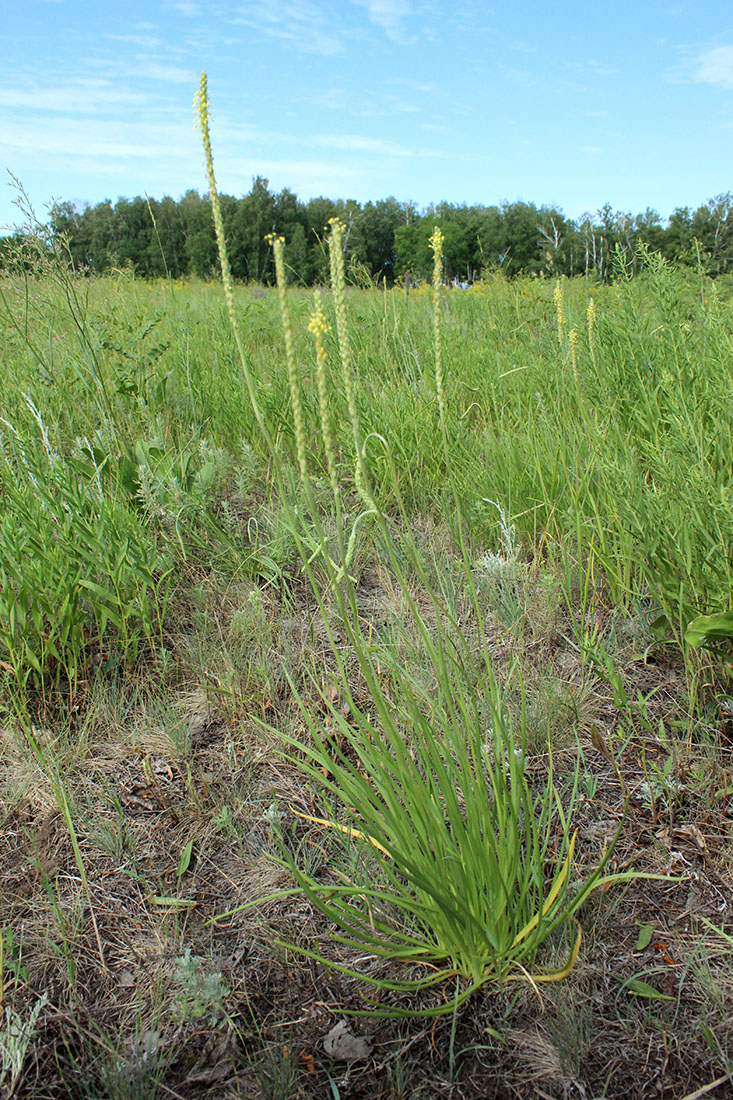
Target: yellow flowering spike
point(201, 108)
point(436, 243)
point(278, 245)
point(573, 341)
point(318, 327)
point(560, 308)
point(338, 286)
point(591, 322)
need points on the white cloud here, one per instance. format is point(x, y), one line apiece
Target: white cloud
point(118, 93)
point(376, 151)
point(103, 140)
point(715, 67)
point(332, 99)
point(143, 41)
point(364, 104)
point(397, 103)
point(89, 97)
point(167, 74)
point(357, 144)
point(298, 23)
point(307, 176)
point(36, 141)
point(424, 88)
point(387, 14)
point(597, 68)
point(121, 156)
point(188, 8)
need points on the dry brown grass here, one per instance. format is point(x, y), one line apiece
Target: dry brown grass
point(152, 766)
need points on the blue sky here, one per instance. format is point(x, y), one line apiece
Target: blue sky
point(570, 103)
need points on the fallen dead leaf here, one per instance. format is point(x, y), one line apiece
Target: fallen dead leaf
point(343, 1045)
point(690, 832)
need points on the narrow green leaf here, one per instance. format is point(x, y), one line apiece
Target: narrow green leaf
point(172, 902)
point(185, 860)
point(645, 934)
point(495, 1034)
point(643, 989)
point(709, 1038)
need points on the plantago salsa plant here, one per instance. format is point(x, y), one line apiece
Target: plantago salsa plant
point(430, 789)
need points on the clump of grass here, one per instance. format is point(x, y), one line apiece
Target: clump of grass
point(454, 844)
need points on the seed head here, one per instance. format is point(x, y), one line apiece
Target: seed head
point(591, 320)
point(436, 243)
point(278, 246)
point(560, 308)
point(319, 327)
point(573, 341)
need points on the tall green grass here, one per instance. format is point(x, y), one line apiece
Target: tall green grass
point(76, 564)
point(622, 462)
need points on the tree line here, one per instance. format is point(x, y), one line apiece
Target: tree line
point(386, 240)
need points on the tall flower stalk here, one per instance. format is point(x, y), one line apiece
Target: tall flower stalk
point(318, 328)
point(201, 113)
point(559, 309)
point(338, 286)
point(436, 243)
point(278, 244)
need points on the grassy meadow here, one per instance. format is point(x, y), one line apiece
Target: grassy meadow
point(369, 701)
